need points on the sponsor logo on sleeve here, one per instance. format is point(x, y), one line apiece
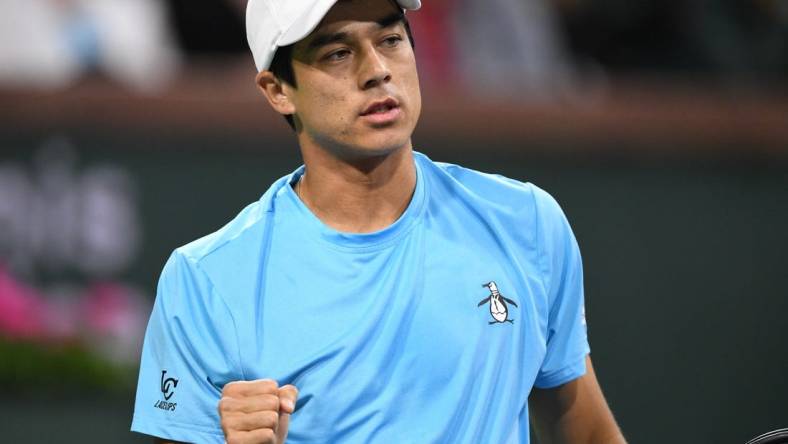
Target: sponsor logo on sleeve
point(168, 386)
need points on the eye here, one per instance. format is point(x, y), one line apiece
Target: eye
point(392, 41)
point(338, 55)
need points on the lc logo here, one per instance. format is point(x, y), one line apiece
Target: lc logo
point(168, 385)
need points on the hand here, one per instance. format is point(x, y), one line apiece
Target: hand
point(256, 412)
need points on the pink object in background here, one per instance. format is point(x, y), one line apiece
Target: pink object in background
point(22, 310)
point(433, 33)
point(113, 320)
point(108, 317)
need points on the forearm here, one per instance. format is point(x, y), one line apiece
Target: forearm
point(603, 430)
point(611, 436)
point(593, 427)
point(575, 413)
point(590, 429)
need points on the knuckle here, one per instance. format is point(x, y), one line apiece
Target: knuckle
point(231, 387)
point(267, 435)
point(270, 402)
point(270, 419)
point(227, 427)
point(269, 384)
point(225, 404)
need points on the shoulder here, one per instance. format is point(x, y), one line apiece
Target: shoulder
point(477, 182)
point(528, 214)
point(248, 220)
point(495, 190)
point(233, 238)
point(204, 266)
point(191, 287)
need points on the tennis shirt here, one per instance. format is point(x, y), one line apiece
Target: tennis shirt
point(433, 330)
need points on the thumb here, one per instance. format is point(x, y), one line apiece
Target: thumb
point(288, 394)
point(287, 400)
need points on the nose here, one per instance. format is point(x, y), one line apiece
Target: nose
point(373, 70)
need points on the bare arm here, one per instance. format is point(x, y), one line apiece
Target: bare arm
point(574, 413)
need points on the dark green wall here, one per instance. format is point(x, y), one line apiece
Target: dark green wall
point(686, 263)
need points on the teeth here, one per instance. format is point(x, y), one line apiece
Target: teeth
point(381, 109)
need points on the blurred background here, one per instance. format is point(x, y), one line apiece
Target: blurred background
point(131, 127)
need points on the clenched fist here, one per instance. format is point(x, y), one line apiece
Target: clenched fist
point(256, 412)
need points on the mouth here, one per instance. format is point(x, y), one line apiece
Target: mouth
point(380, 107)
point(382, 113)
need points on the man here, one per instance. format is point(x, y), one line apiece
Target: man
point(374, 295)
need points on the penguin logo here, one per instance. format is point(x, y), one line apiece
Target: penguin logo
point(498, 308)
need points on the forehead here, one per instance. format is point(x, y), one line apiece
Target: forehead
point(347, 13)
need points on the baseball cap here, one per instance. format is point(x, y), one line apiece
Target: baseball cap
point(271, 24)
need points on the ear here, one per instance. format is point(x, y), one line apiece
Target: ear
point(275, 91)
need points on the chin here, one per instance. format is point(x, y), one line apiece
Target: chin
point(381, 146)
point(369, 151)
point(380, 142)
point(365, 143)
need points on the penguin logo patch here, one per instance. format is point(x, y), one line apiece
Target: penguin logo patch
point(497, 301)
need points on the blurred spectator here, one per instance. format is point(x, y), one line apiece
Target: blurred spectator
point(512, 48)
point(51, 43)
point(713, 38)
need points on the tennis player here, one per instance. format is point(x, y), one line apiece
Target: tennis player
point(372, 295)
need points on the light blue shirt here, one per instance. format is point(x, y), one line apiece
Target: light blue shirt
point(433, 330)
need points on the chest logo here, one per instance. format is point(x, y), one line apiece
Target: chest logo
point(498, 307)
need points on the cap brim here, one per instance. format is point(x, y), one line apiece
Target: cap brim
point(309, 21)
point(410, 4)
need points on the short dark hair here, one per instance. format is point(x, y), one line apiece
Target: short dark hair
point(282, 64)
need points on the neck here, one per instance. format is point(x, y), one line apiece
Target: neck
point(359, 195)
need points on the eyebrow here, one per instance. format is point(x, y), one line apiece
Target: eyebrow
point(327, 39)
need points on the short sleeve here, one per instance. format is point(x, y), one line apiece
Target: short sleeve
point(567, 339)
point(190, 351)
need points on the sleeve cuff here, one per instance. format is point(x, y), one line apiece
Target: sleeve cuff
point(177, 431)
point(564, 375)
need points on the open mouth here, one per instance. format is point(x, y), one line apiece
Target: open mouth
point(381, 107)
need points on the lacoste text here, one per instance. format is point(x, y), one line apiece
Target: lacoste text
point(167, 406)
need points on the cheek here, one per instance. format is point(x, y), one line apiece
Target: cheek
point(327, 110)
point(413, 91)
point(337, 111)
point(324, 104)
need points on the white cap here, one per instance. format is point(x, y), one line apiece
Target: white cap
point(271, 24)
